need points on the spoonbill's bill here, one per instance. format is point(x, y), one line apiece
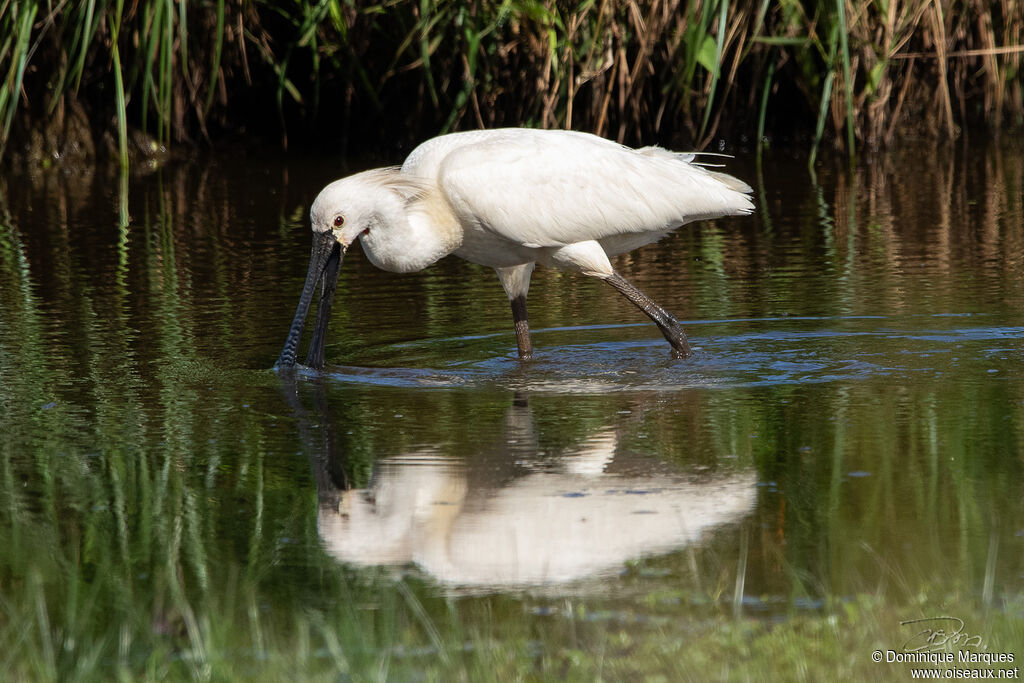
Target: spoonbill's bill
point(509, 199)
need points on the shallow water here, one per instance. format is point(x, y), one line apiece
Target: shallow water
point(848, 432)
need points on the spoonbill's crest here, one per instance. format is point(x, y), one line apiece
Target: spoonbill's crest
point(508, 199)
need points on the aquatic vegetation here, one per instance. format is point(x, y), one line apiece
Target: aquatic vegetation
point(854, 72)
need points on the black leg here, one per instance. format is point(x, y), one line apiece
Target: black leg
point(668, 325)
point(522, 327)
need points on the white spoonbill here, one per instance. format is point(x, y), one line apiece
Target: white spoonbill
point(509, 199)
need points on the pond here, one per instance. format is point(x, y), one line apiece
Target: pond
point(843, 454)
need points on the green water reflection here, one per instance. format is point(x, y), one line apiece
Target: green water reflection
point(843, 453)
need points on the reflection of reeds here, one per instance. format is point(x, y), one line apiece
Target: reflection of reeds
point(863, 70)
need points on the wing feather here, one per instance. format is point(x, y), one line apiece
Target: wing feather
point(552, 188)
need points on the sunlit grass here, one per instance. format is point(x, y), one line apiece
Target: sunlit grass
point(373, 629)
point(629, 70)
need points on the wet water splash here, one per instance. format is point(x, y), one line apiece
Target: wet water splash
point(728, 354)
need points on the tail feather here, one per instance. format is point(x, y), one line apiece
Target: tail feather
point(732, 182)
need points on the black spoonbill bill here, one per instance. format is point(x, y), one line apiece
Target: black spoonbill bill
point(509, 199)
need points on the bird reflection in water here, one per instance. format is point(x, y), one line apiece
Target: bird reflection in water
point(512, 516)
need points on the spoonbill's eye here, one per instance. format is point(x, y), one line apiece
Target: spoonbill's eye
point(339, 221)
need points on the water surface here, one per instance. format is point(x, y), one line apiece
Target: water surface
point(842, 453)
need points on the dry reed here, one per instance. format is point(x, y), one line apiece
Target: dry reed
point(850, 72)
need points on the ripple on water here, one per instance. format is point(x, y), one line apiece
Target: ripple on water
point(727, 354)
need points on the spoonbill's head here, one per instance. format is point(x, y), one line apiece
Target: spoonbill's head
point(348, 208)
point(342, 212)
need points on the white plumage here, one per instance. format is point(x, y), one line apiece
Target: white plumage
point(510, 198)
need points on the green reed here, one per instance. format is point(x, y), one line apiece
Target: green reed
point(16, 22)
point(623, 68)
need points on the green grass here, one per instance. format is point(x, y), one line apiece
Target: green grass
point(72, 629)
point(630, 70)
